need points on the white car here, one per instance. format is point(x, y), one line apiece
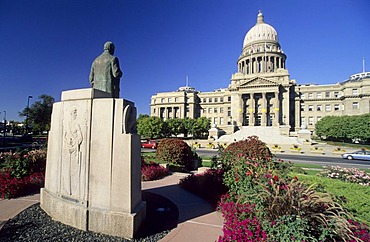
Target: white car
point(357, 155)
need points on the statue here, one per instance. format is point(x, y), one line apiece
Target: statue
point(105, 72)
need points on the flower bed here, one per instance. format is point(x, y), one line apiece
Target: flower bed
point(352, 175)
point(152, 171)
point(21, 172)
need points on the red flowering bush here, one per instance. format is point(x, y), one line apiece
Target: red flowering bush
point(360, 231)
point(251, 147)
point(208, 185)
point(152, 171)
point(21, 172)
point(240, 222)
point(175, 151)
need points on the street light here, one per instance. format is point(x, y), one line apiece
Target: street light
point(28, 112)
point(4, 126)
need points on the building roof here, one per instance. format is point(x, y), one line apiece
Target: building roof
point(260, 32)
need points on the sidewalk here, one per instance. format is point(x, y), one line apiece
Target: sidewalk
point(197, 219)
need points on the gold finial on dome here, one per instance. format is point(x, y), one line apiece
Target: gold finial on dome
point(260, 17)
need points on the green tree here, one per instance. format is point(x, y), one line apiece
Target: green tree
point(344, 128)
point(39, 113)
point(150, 126)
point(176, 126)
point(202, 125)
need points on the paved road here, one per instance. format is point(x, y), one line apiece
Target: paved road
point(308, 159)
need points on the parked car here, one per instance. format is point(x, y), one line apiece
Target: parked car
point(357, 155)
point(151, 144)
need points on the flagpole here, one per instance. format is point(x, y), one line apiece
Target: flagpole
point(363, 64)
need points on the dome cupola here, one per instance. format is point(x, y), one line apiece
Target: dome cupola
point(260, 32)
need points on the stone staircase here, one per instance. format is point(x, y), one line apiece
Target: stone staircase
point(269, 135)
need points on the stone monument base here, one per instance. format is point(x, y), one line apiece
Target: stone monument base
point(93, 175)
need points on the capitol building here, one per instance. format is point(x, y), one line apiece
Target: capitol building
point(261, 93)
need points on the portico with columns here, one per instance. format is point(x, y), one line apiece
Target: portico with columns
point(262, 83)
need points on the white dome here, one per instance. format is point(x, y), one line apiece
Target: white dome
point(260, 32)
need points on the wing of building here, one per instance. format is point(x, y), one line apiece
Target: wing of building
point(261, 93)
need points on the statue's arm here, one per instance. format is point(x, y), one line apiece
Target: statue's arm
point(117, 73)
point(92, 75)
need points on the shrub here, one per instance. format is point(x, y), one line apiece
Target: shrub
point(208, 185)
point(360, 231)
point(24, 163)
point(175, 151)
point(240, 224)
point(21, 172)
point(152, 171)
point(11, 187)
point(252, 147)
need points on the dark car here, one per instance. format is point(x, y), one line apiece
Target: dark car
point(151, 144)
point(357, 155)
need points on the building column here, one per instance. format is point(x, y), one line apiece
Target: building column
point(277, 109)
point(251, 109)
point(264, 109)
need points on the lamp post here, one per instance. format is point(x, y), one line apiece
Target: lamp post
point(4, 126)
point(28, 112)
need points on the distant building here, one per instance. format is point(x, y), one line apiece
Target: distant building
point(262, 94)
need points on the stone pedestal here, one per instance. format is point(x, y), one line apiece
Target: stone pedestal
point(304, 134)
point(93, 179)
point(213, 133)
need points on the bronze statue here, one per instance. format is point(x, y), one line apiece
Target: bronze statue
point(105, 72)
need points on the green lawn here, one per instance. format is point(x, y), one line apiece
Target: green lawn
point(355, 198)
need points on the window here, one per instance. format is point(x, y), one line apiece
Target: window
point(229, 99)
point(318, 118)
point(336, 94)
point(355, 105)
point(221, 110)
point(204, 100)
point(215, 110)
point(215, 120)
point(153, 110)
point(303, 121)
point(328, 107)
point(302, 96)
point(336, 107)
point(310, 107)
point(210, 110)
point(354, 91)
point(176, 99)
point(154, 101)
point(310, 120)
point(221, 120)
point(221, 99)
point(162, 100)
point(310, 95)
point(169, 100)
point(210, 100)
point(204, 110)
point(302, 107)
point(327, 94)
point(229, 111)
point(216, 99)
point(319, 108)
point(318, 95)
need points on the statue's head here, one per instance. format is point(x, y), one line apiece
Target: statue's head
point(109, 46)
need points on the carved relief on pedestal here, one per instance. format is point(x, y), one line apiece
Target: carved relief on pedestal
point(73, 162)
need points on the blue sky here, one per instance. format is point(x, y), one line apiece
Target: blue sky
point(48, 46)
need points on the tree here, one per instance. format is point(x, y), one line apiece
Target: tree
point(344, 128)
point(176, 126)
point(201, 127)
point(150, 126)
point(39, 114)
